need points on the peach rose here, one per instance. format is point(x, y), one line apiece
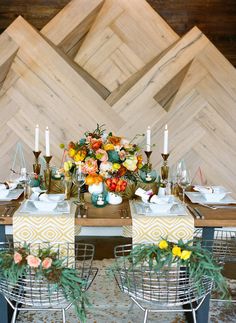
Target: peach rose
point(33, 261)
point(47, 262)
point(17, 257)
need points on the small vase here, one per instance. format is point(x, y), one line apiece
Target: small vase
point(95, 188)
point(114, 198)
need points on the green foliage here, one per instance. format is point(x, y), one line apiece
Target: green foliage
point(198, 260)
point(57, 275)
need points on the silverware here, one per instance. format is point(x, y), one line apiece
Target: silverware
point(202, 217)
point(195, 214)
point(215, 207)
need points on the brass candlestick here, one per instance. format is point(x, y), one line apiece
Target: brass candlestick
point(164, 168)
point(148, 154)
point(47, 173)
point(36, 165)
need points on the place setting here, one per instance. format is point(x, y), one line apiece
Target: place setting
point(213, 197)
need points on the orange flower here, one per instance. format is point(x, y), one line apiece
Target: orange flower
point(115, 140)
point(140, 161)
point(71, 145)
point(93, 179)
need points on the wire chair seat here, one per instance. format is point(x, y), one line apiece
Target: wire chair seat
point(38, 293)
point(161, 290)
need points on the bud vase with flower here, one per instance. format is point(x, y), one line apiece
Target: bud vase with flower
point(115, 186)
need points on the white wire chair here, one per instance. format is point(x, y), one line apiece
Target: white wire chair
point(223, 245)
point(166, 290)
point(32, 293)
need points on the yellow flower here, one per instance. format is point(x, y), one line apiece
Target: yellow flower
point(176, 251)
point(80, 156)
point(108, 147)
point(67, 165)
point(163, 244)
point(71, 152)
point(185, 254)
point(116, 166)
point(131, 163)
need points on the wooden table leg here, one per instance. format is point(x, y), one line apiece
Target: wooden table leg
point(3, 302)
point(203, 311)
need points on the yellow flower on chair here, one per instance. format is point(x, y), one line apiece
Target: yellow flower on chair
point(163, 244)
point(185, 254)
point(176, 251)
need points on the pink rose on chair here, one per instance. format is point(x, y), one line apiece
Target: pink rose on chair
point(47, 262)
point(17, 257)
point(33, 261)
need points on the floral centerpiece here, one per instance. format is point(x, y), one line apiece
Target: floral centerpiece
point(197, 259)
point(45, 263)
point(106, 158)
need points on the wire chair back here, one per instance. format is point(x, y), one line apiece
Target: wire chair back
point(222, 246)
point(39, 292)
point(170, 286)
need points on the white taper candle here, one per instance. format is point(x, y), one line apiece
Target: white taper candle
point(47, 142)
point(148, 145)
point(165, 146)
point(36, 138)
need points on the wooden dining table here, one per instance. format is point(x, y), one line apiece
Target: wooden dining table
point(114, 216)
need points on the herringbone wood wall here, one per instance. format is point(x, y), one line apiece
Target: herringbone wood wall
point(99, 61)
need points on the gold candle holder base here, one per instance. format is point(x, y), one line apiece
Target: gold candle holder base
point(36, 165)
point(47, 173)
point(148, 154)
point(165, 168)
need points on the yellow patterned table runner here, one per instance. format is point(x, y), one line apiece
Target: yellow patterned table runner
point(38, 227)
point(150, 229)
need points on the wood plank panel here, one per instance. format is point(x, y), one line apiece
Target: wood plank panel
point(72, 23)
point(131, 25)
point(189, 85)
point(52, 64)
point(8, 50)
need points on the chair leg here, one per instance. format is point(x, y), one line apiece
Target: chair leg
point(194, 316)
point(145, 316)
point(64, 316)
point(13, 319)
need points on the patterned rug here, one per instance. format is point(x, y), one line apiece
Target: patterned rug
point(109, 305)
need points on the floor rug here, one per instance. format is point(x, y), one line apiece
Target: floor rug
point(109, 305)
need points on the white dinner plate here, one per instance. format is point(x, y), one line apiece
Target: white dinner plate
point(29, 207)
point(141, 208)
point(13, 195)
point(197, 197)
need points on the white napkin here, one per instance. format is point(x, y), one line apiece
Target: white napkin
point(203, 189)
point(2, 187)
point(145, 195)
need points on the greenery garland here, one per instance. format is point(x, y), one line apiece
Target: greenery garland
point(45, 263)
point(197, 259)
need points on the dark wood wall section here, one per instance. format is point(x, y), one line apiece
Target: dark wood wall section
point(216, 18)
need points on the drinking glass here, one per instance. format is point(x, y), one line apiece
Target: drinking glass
point(183, 177)
point(78, 178)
